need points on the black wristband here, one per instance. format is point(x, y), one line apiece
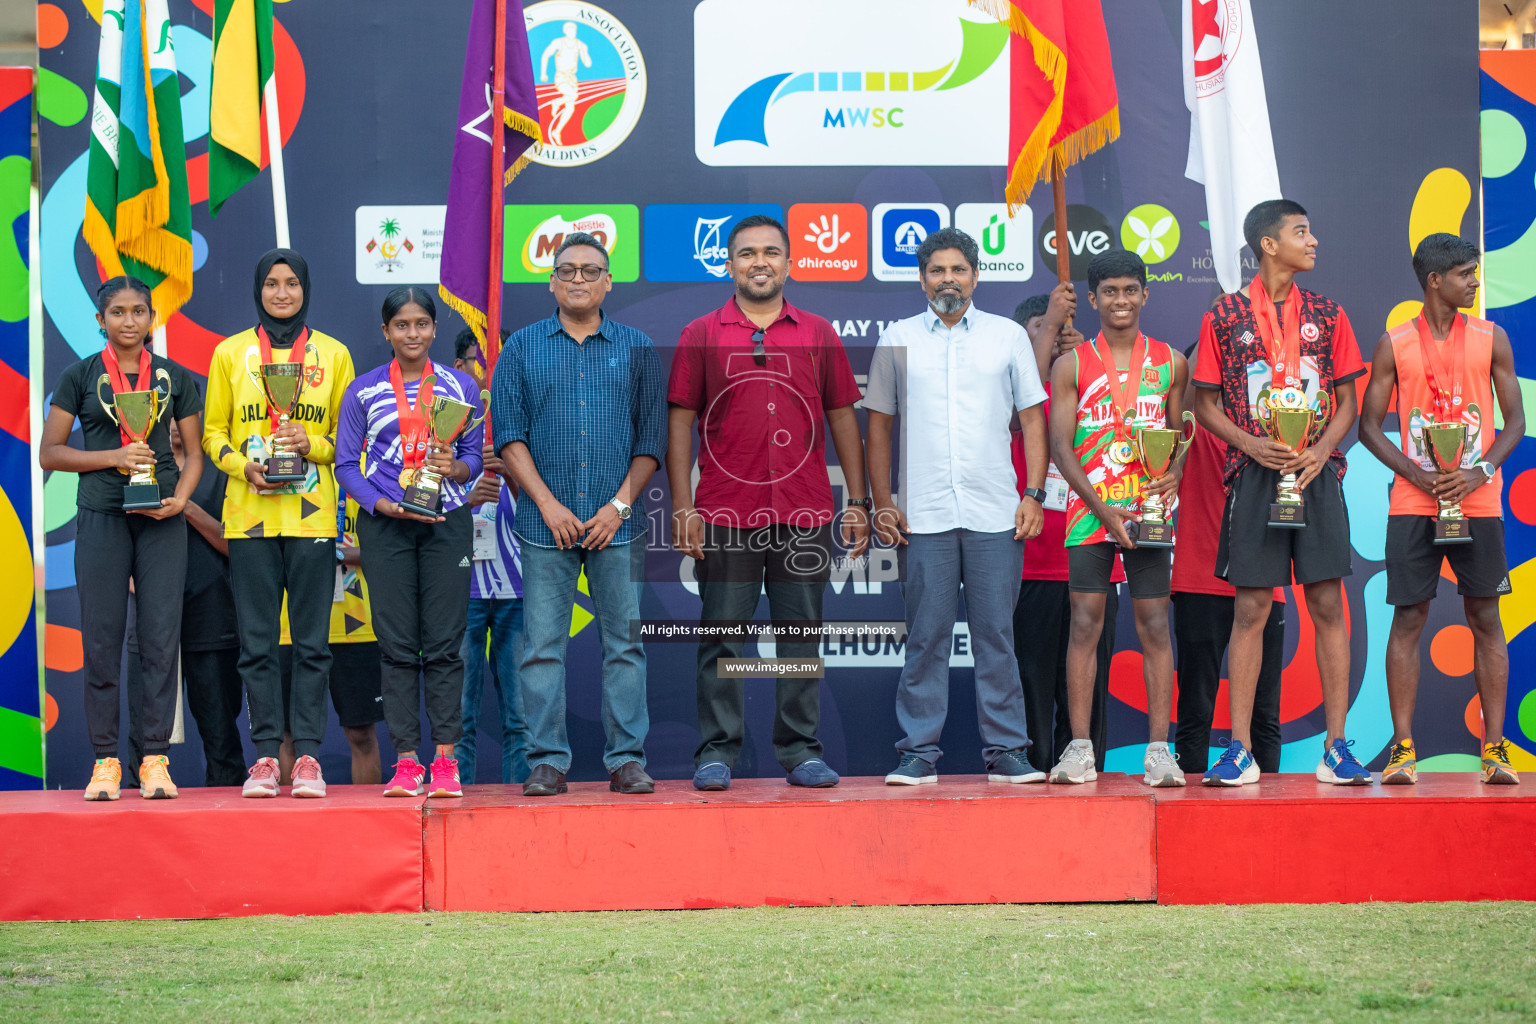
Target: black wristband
point(863, 503)
point(1035, 492)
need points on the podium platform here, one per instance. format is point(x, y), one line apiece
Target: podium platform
point(763, 843)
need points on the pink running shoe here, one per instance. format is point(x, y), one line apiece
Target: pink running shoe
point(407, 780)
point(307, 780)
point(445, 778)
point(264, 779)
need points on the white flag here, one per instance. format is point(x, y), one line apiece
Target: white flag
point(1230, 149)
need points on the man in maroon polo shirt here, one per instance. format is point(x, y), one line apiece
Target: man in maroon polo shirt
point(758, 375)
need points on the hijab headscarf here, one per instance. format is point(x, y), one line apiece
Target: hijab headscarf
point(282, 332)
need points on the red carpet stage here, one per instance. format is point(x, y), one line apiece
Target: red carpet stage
point(211, 854)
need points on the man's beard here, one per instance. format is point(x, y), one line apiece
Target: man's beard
point(947, 302)
point(761, 293)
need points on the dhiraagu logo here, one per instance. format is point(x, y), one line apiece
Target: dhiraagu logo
point(534, 232)
point(1151, 232)
point(858, 82)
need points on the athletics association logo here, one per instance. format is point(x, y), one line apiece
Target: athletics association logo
point(590, 81)
point(1216, 28)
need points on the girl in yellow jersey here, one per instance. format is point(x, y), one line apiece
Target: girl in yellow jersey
point(281, 536)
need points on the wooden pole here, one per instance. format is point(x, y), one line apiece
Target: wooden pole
point(1059, 194)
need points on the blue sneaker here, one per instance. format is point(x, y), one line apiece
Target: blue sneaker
point(1339, 766)
point(912, 770)
point(813, 774)
point(1235, 767)
point(1013, 767)
point(712, 776)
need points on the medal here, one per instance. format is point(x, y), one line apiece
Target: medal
point(406, 476)
point(413, 422)
point(1121, 453)
point(1122, 396)
point(1444, 380)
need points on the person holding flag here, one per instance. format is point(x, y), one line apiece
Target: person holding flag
point(1447, 367)
point(281, 535)
point(1105, 391)
point(1275, 335)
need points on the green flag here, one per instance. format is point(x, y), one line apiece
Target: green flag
point(242, 66)
point(138, 219)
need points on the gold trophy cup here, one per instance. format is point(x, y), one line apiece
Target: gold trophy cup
point(1159, 448)
point(448, 420)
point(1445, 443)
point(1287, 418)
point(283, 383)
point(136, 413)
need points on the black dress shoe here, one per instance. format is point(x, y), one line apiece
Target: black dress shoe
point(544, 781)
point(631, 778)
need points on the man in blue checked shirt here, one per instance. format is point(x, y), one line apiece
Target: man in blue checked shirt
point(579, 413)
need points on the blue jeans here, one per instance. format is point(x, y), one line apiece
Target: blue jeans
point(549, 589)
point(504, 619)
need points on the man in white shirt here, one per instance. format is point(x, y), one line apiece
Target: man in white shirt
point(957, 376)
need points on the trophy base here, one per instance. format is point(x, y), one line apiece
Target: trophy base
point(1287, 517)
point(137, 497)
point(422, 501)
point(1453, 531)
point(286, 468)
point(1155, 535)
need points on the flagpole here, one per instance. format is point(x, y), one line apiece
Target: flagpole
point(275, 160)
point(1059, 195)
point(492, 347)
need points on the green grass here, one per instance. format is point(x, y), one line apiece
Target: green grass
point(1102, 963)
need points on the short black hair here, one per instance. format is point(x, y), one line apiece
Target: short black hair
point(756, 220)
point(403, 296)
point(1441, 253)
point(1115, 263)
point(1264, 220)
point(1035, 305)
point(122, 283)
point(464, 341)
point(576, 238)
point(947, 238)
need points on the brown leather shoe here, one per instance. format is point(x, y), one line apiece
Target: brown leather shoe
point(631, 779)
point(544, 781)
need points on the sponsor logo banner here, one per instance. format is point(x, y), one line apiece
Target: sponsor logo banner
point(398, 244)
point(899, 229)
point(828, 242)
point(590, 81)
point(1007, 244)
point(859, 82)
point(686, 241)
point(1088, 234)
point(534, 232)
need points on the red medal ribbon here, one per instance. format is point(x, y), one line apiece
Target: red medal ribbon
point(1447, 408)
point(413, 422)
point(1119, 391)
point(1282, 335)
point(145, 379)
point(295, 351)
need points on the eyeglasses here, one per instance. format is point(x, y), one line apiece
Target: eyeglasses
point(588, 271)
point(759, 353)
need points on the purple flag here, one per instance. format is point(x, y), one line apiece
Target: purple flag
point(464, 280)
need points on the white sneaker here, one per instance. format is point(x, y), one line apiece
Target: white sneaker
point(264, 779)
point(1076, 764)
point(307, 780)
point(1162, 767)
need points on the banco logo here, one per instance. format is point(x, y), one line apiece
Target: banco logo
point(589, 78)
point(687, 241)
point(899, 229)
point(859, 82)
point(534, 232)
point(1007, 244)
point(1150, 231)
point(828, 242)
point(1088, 234)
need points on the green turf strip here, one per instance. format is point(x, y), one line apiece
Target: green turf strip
point(1101, 963)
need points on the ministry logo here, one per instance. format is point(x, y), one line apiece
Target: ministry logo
point(590, 81)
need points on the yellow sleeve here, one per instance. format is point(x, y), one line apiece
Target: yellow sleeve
point(322, 447)
point(218, 413)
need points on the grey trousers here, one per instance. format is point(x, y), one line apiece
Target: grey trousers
point(935, 568)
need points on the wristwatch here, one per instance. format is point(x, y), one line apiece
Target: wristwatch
point(1038, 493)
point(1488, 469)
point(623, 509)
point(863, 503)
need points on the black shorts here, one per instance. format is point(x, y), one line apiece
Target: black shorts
point(1414, 559)
point(1254, 554)
point(356, 682)
point(1148, 571)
